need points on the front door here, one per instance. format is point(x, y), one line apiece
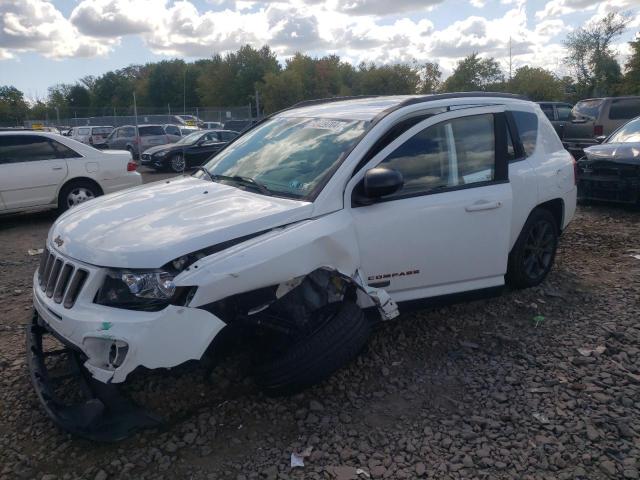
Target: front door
point(447, 229)
point(30, 171)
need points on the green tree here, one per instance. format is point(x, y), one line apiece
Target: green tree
point(631, 79)
point(537, 84)
point(13, 107)
point(395, 79)
point(430, 78)
point(474, 73)
point(593, 60)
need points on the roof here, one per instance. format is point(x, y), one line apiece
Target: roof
point(368, 108)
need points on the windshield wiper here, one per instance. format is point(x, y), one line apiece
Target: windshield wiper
point(251, 181)
point(200, 167)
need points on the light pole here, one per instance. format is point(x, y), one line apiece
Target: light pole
point(184, 90)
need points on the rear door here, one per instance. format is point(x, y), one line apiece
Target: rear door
point(30, 171)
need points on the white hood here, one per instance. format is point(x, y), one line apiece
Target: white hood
point(148, 226)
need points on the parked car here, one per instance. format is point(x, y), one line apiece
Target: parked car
point(212, 125)
point(284, 237)
point(125, 138)
point(188, 152)
point(611, 171)
point(190, 120)
point(558, 113)
point(91, 135)
point(41, 169)
point(172, 132)
point(594, 119)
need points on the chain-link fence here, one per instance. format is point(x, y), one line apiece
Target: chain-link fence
point(118, 116)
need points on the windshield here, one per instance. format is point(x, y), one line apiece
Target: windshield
point(587, 109)
point(289, 156)
point(628, 133)
point(190, 139)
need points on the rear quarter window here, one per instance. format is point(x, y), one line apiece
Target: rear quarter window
point(624, 108)
point(527, 125)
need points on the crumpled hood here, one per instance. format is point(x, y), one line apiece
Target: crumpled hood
point(615, 152)
point(150, 225)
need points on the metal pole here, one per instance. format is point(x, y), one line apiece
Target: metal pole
point(184, 90)
point(135, 113)
point(58, 115)
point(257, 103)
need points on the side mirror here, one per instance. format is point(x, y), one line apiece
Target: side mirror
point(600, 138)
point(381, 181)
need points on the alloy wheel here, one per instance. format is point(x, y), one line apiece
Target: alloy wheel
point(538, 249)
point(79, 195)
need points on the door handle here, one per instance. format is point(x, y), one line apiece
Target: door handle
point(482, 205)
point(56, 168)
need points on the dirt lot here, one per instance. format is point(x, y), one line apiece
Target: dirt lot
point(512, 387)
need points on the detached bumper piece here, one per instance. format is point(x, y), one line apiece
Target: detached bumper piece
point(75, 401)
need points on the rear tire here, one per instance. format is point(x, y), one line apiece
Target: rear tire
point(75, 193)
point(533, 254)
point(314, 358)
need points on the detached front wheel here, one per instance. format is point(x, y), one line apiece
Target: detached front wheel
point(535, 250)
point(313, 358)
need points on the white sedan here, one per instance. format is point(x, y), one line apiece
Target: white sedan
point(46, 170)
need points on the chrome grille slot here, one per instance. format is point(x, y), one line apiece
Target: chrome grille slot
point(53, 277)
point(77, 282)
point(63, 281)
point(43, 263)
point(47, 270)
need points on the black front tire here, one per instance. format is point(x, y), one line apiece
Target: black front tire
point(533, 254)
point(312, 359)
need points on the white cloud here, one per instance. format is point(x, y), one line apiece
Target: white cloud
point(37, 26)
point(478, 3)
point(385, 7)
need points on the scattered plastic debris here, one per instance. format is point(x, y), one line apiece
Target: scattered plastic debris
point(537, 320)
point(541, 417)
point(587, 352)
point(297, 459)
point(636, 256)
point(35, 251)
point(344, 472)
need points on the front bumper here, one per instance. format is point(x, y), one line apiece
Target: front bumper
point(153, 161)
point(611, 184)
point(162, 339)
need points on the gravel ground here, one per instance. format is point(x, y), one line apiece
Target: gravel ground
point(542, 383)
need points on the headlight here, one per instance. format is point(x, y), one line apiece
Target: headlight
point(162, 153)
point(142, 290)
point(150, 284)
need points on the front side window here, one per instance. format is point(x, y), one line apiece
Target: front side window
point(83, 131)
point(150, 131)
point(25, 148)
point(454, 153)
point(628, 133)
point(101, 130)
point(527, 125)
point(289, 156)
point(624, 108)
point(547, 110)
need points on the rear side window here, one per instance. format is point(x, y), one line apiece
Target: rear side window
point(150, 131)
point(564, 112)
point(101, 130)
point(624, 108)
point(171, 130)
point(83, 131)
point(126, 132)
point(588, 109)
point(64, 151)
point(25, 148)
point(527, 125)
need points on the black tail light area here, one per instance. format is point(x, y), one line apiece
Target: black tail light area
point(598, 130)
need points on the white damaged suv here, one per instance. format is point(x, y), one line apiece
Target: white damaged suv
point(287, 235)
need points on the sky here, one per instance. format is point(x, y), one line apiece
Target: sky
point(45, 42)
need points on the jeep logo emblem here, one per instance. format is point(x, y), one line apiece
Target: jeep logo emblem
point(58, 241)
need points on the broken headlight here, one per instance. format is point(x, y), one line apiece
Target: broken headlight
point(141, 290)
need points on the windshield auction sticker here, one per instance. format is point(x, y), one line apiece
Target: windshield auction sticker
point(324, 124)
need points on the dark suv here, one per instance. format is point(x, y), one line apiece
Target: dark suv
point(558, 113)
point(593, 119)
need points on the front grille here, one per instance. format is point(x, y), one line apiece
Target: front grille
point(60, 279)
point(146, 156)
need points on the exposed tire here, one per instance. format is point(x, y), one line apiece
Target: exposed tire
point(177, 163)
point(314, 358)
point(533, 254)
point(75, 193)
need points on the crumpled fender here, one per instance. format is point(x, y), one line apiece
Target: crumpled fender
point(281, 255)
